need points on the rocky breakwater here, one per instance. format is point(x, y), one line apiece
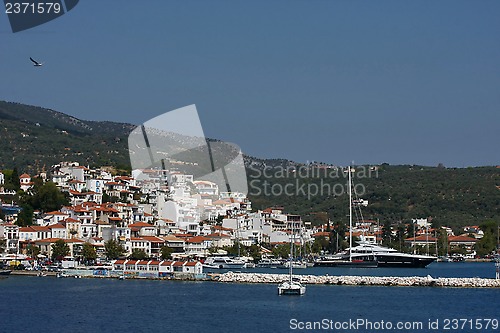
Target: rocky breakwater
point(411, 281)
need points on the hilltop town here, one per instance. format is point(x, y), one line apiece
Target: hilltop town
point(158, 214)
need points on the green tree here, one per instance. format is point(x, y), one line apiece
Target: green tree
point(281, 250)
point(12, 180)
point(138, 254)
point(166, 252)
point(48, 198)
point(3, 243)
point(219, 219)
point(442, 241)
point(59, 250)
point(33, 250)
point(488, 243)
point(88, 253)
point(254, 252)
point(320, 244)
point(113, 249)
point(387, 233)
point(25, 216)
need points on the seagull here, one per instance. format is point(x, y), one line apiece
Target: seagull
point(36, 63)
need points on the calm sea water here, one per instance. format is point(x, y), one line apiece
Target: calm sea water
point(436, 269)
point(33, 304)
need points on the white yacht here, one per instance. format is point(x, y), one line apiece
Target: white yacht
point(223, 262)
point(295, 264)
point(388, 257)
point(269, 262)
point(291, 287)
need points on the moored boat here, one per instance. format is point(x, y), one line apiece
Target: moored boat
point(269, 262)
point(295, 264)
point(372, 255)
point(292, 286)
point(388, 257)
point(223, 262)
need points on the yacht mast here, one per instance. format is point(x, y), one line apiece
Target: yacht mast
point(350, 213)
point(290, 258)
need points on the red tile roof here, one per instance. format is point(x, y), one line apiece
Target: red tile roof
point(321, 233)
point(197, 239)
point(138, 239)
point(219, 227)
point(191, 263)
point(140, 225)
point(461, 239)
point(218, 235)
point(153, 239)
point(422, 238)
point(56, 226)
point(53, 240)
point(55, 213)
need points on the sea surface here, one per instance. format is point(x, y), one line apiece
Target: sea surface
point(36, 304)
point(436, 270)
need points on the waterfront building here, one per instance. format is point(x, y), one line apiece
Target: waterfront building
point(74, 245)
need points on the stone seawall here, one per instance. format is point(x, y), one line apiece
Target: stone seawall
point(427, 281)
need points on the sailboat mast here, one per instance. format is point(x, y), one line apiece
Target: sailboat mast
point(350, 213)
point(291, 251)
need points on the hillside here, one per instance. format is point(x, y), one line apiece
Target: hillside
point(33, 137)
point(452, 197)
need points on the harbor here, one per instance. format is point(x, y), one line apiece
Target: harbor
point(454, 275)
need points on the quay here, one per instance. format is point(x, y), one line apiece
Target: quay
point(238, 277)
point(31, 273)
point(412, 281)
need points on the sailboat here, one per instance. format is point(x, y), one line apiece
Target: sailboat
point(351, 258)
point(294, 261)
point(291, 286)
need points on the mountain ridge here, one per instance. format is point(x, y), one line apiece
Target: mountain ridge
point(34, 138)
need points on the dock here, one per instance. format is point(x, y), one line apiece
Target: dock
point(238, 277)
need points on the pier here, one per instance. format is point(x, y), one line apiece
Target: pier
point(412, 281)
point(236, 277)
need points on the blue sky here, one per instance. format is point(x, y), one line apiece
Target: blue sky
point(402, 82)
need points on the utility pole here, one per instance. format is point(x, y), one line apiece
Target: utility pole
point(414, 237)
point(350, 215)
point(427, 236)
point(497, 256)
point(497, 266)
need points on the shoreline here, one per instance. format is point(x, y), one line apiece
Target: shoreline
point(267, 278)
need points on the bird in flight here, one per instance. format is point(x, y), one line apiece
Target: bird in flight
point(36, 63)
